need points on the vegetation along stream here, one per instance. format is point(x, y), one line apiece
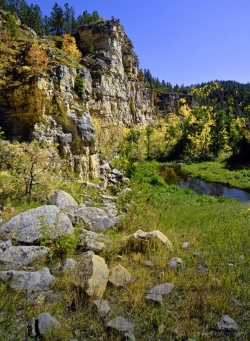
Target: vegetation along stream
point(174, 176)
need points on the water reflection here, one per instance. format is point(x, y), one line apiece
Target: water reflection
point(175, 176)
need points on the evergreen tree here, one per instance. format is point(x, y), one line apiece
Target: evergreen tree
point(3, 5)
point(69, 19)
point(56, 20)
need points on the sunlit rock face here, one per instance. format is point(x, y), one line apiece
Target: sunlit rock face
point(44, 104)
point(119, 91)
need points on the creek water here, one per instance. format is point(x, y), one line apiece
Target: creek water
point(174, 175)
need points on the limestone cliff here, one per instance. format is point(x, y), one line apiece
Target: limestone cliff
point(39, 100)
point(119, 91)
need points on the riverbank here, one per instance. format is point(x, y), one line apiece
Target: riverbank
point(210, 238)
point(218, 173)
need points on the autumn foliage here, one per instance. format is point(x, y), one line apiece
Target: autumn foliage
point(37, 58)
point(69, 46)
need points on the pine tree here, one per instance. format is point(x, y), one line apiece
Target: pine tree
point(69, 19)
point(3, 5)
point(56, 20)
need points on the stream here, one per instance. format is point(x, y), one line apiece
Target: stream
point(174, 176)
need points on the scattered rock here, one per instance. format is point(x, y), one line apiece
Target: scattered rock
point(175, 262)
point(68, 265)
point(141, 240)
point(119, 276)
point(126, 190)
point(90, 185)
point(149, 264)
point(96, 219)
point(117, 173)
point(27, 281)
point(202, 269)
point(102, 307)
point(107, 197)
point(161, 329)
point(121, 324)
point(30, 226)
point(64, 201)
point(162, 289)
point(185, 245)
point(16, 257)
point(197, 253)
point(227, 324)
point(45, 322)
point(105, 168)
point(91, 273)
point(111, 210)
point(94, 241)
point(154, 297)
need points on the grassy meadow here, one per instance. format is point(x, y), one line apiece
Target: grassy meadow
point(219, 228)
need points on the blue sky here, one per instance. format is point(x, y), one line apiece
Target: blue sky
point(181, 41)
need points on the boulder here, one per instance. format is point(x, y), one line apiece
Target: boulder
point(28, 227)
point(103, 307)
point(119, 276)
point(94, 241)
point(91, 273)
point(141, 240)
point(96, 219)
point(111, 210)
point(64, 201)
point(27, 281)
point(16, 257)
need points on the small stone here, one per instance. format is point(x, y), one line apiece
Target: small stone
point(102, 307)
point(77, 332)
point(230, 265)
point(227, 324)
point(202, 269)
point(162, 289)
point(161, 329)
point(121, 324)
point(185, 245)
point(175, 262)
point(197, 253)
point(126, 190)
point(149, 264)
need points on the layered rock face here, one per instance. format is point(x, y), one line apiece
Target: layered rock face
point(170, 101)
point(119, 91)
point(45, 107)
point(44, 104)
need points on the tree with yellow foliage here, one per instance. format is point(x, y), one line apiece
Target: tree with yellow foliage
point(37, 58)
point(70, 47)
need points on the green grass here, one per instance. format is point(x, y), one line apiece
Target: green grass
point(218, 172)
point(217, 227)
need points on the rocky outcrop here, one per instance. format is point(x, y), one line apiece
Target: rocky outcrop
point(170, 101)
point(119, 92)
point(44, 103)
